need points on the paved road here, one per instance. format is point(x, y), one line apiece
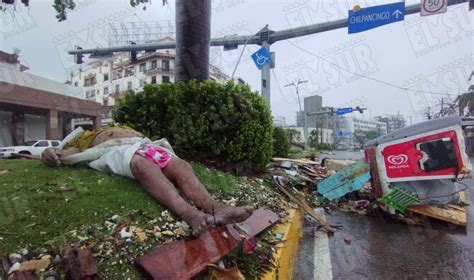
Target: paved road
point(382, 248)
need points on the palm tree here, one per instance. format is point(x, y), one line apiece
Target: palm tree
point(466, 101)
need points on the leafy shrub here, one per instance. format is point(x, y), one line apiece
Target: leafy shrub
point(281, 143)
point(223, 120)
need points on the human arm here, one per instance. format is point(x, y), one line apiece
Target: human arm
point(54, 156)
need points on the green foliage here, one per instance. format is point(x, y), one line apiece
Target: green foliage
point(60, 6)
point(313, 139)
point(281, 143)
point(362, 136)
point(293, 134)
point(225, 121)
point(466, 101)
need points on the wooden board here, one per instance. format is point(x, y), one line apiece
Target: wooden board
point(454, 214)
point(184, 259)
point(450, 215)
point(300, 161)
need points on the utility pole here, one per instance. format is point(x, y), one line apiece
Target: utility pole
point(264, 37)
point(305, 117)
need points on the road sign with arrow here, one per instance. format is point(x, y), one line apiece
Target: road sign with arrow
point(372, 17)
point(343, 111)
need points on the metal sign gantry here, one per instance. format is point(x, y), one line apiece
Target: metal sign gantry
point(264, 37)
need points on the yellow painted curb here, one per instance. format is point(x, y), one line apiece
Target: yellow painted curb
point(285, 254)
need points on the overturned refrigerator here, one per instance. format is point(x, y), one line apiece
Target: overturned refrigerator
point(423, 164)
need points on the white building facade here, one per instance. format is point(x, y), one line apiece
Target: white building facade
point(106, 79)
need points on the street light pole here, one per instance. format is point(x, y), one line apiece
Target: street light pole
point(305, 117)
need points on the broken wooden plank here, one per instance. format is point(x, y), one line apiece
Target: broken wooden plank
point(448, 214)
point(184, 259)
point(304, 205)
point(300, 161)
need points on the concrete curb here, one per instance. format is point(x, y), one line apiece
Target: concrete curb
point(285, 254)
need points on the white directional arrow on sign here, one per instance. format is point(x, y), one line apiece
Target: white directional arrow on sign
point(397, 13)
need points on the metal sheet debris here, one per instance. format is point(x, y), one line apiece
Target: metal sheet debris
point(349, 179)
point(184, 259)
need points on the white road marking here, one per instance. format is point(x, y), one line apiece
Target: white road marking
point(322, 255)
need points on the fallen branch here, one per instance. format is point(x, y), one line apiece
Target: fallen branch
point(306, 208)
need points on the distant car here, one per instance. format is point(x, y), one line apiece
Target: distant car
point(33, 148)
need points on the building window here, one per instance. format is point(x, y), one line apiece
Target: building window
point(117, 89)
point(106, 90)
point(142, 83)
point(153, 64)
point(165, 79)
point(129, 85)
point(129, 72)
point(89, 81)
point(76, 84)
point(106, 77)
point(165, 65)
point(106, 102)
point(143, 67)
point(117, 74)
point(153, 79)
point(90, 93)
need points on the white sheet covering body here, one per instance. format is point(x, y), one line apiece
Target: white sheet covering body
point(112, 156)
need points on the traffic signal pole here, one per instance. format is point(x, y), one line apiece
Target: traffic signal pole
point(266, 77)
point(264, 37)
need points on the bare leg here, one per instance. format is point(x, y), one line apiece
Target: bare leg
point(162, 190)
point(181, 172)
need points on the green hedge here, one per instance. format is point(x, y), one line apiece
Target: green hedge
point(226, 121)
point(281, 143)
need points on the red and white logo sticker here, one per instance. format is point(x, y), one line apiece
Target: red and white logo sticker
point(432, 7)
point(397, 159)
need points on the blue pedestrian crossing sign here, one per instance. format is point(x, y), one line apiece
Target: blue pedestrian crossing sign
point(261, 57)
point(343, 111)
point(372, 17)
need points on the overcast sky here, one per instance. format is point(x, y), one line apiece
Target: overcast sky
point(433, 54)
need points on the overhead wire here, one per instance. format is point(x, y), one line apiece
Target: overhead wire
point(367, 77)
point(279, 87)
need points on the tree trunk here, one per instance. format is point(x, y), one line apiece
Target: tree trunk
point(193, 35)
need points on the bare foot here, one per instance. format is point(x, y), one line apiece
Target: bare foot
point(225, 214)
point(200, 222)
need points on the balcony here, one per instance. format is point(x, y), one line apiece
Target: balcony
point(159, 70)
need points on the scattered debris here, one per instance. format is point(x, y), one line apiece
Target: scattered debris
point(64, 189)
point(80, 265)
point(3, 172)
point(280, 182)
point(36, 265)
point(349, 179)
point(192, 256)
point(14, 267)
point(14, 257)
point(298, 161)
point(449, 213)
point(23, 275)
point(336, 164)
point(249, 245)
point(219, 273)
point(347, 239)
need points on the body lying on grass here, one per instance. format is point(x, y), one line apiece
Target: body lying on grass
point(164, 176)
